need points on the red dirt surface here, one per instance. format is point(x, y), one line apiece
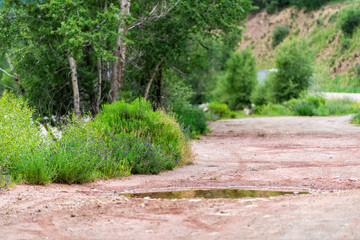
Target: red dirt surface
point(319, 155)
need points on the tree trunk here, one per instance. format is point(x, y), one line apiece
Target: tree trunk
point(98, 95)
point(152, 78)
point(75, 85)
point(118, 66)
point(158, 90)
point(17, 79)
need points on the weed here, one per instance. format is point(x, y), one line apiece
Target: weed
point(279, 34)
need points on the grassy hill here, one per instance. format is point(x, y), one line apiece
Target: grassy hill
point(338, 55)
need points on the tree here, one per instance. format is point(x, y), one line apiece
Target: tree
point(294, 62)
point(239, 80)
point(97, 46)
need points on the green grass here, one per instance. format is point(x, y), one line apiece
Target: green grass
point(356, 119)
point(311, 106)
point(123, 139)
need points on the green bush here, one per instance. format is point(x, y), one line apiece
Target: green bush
point(309, 4)
point(273, 6)
point(140, 121)
point(294, 63)
point(338, 107)
point(19, 133)
point(192, 119)
point(349, 20)
point(239, 80)
point(272, 109)
point(221, 110)
point(345, 44)
point(356, 119)
point(5, 178)
point(142, 156)
point(304, 108)
point(79, 156)
point(260, 95)
point(279, 34)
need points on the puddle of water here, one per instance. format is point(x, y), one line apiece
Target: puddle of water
point(213, 193)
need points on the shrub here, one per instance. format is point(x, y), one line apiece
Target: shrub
point(304, 108)
point(272, 109)
point(239, 80)
point(5, 178)
point(279, 34)
point(309, 4)
point(293, 61)
point(139, 121)
point(141, 155)
point(192, 119)
point(221, 110)
point(349, 20)
point(260, 95)
point(19, 133)
point(79, 156)
point(338, 107)
point(345, 44)
point(356, 119)
point(333, 17)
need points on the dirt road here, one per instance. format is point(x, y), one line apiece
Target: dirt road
point(319, 155)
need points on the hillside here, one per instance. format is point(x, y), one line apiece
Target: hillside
point(337, 56)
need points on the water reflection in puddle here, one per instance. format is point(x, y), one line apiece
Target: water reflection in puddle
point(213, 193)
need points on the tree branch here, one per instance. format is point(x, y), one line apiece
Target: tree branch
point(7, 86)
point(7, 73)
point(152, 78)
point(148, 19)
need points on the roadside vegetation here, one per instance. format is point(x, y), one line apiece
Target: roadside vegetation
point(123, 138)
point(128, 102)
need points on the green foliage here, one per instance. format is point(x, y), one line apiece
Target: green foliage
point(310, 106)
point(140, 121)
point(221, 110)
point(356, 119)
point(19, 134)
point(309, 4)
point(142, 156)
point(273, 6)
point(279, 34)
point(260, 95)
point(239, 80)
point(192, 119)
point(5, 179)
point(272, 110)
point(349, 20)
point(344, 44)
point(293, 61)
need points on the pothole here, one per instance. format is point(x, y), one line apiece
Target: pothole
point(213, 193)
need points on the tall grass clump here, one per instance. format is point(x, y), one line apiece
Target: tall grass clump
point(349, 20)
point(138, 121)
point(221, 110)
point(79, 156)
point(356, 119)
point(279, 34)
point(19, 133)
point(192, 119)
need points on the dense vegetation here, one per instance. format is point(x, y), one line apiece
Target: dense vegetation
point(273, 6)
point(123, 138)
point(123, 84)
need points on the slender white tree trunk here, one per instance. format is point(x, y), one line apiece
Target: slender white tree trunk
point(17, 79)
point(75, 85)
point(152, 78)
point(118, 67)
point(98, 95)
